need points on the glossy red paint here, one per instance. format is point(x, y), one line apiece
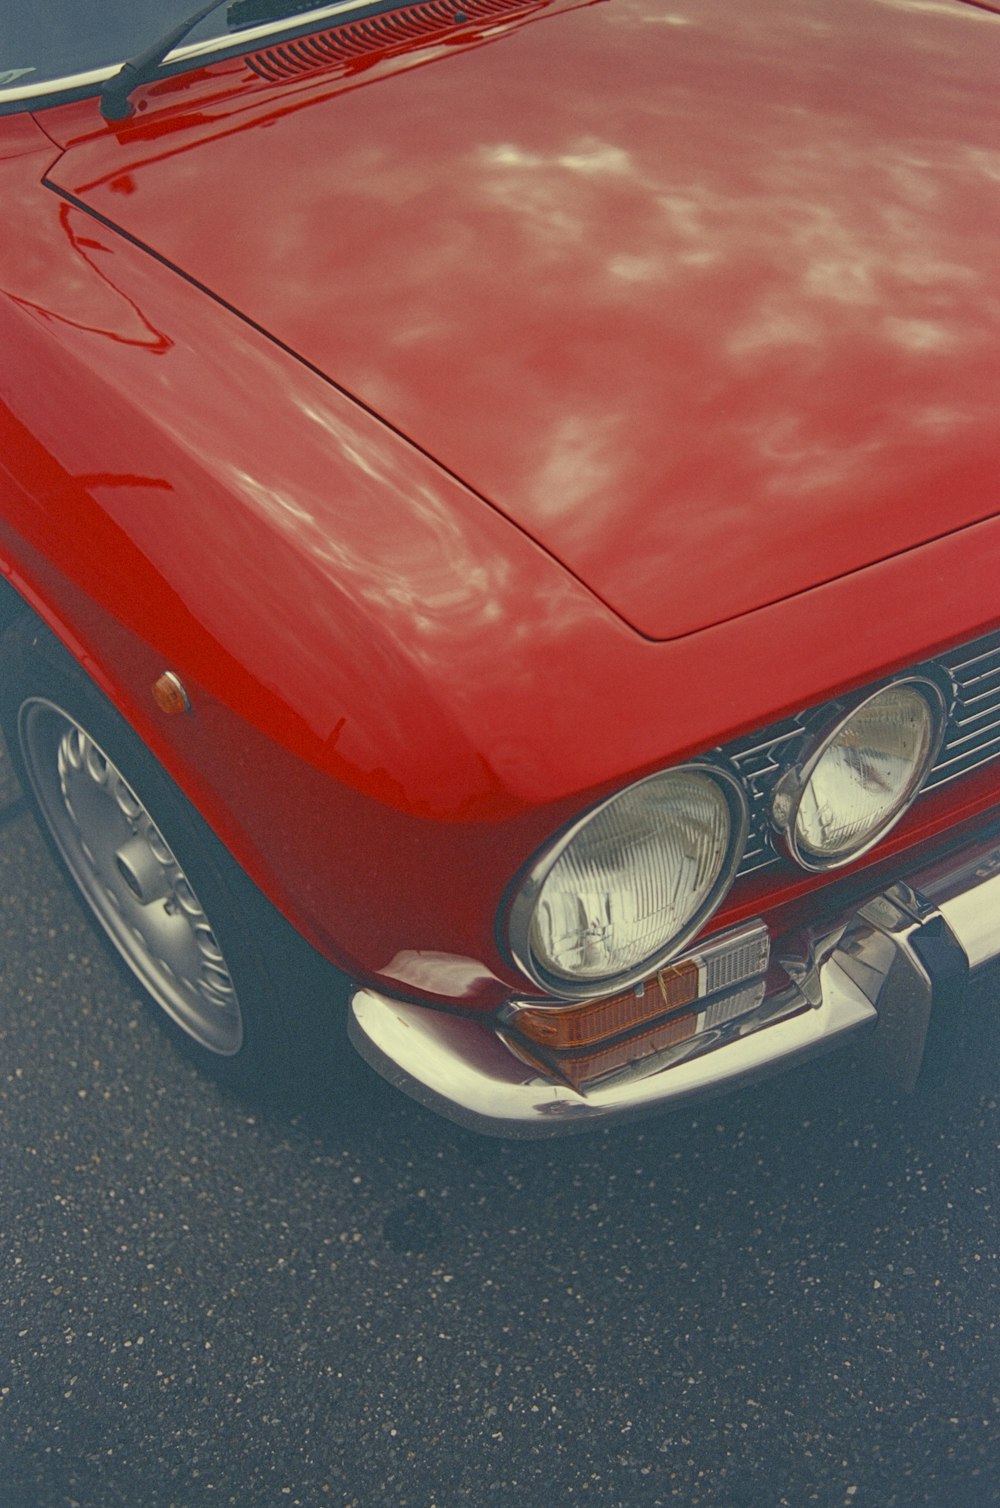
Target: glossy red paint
point(397, 694)
point(702, 301)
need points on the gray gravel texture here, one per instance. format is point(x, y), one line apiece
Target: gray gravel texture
point(788, 1298)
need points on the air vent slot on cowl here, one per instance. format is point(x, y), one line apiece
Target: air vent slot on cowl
point(375, 34)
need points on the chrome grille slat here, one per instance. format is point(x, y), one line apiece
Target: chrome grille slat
point(941, 775)
point(981, 678)
point(968, 759)
point(990, 733)
point(989, 710)
point(972, 739)
point(989, 697)
point(962, 667)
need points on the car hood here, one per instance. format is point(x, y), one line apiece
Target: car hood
point(705, 301)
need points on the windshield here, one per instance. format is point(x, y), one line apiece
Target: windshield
point(75, 44)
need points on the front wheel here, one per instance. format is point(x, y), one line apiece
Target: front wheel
point(232, 982)
point(129, 876)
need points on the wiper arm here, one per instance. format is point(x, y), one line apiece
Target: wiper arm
point(115, 101)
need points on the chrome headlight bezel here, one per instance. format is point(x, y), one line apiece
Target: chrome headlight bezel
point(793, 784)
point(528, 885)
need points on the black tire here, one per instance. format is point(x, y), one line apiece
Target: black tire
point(228, 979)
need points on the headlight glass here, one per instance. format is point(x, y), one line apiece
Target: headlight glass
point(863, 776)
point(631, 882)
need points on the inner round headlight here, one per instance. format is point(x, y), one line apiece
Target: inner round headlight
point(630, 883)
point(862, 777)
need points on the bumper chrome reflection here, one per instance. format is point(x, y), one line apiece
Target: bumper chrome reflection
point(880, 969)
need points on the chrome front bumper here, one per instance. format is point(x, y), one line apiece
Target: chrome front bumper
point(881, 969)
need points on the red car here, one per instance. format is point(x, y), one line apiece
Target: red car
point(503, 497)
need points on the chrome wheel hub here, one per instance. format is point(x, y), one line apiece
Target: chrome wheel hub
point(130, 877)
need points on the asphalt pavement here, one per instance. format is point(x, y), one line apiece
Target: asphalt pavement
point(788, 1297)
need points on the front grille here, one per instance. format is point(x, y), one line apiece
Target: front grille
point(972, 738)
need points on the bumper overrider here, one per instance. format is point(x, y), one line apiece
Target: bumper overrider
point(755, 1006)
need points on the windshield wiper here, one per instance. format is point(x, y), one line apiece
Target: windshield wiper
point(115, 92)
point(116, 103)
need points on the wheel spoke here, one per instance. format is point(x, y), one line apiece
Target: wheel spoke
point(130, 877)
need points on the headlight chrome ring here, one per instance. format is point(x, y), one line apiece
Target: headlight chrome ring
point(629, 883)
point(861, 776)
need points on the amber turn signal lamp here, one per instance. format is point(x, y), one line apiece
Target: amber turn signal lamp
point(655, 1047)
point(720, 965)
point(656, 1040)
point(169, 694)
point(582, 1025)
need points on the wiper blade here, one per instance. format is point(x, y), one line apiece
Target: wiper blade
point(115, 101)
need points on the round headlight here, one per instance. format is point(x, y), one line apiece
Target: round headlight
point(860, 779)
point(630, 883)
